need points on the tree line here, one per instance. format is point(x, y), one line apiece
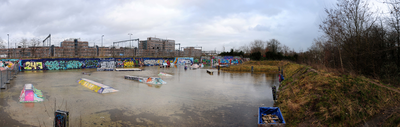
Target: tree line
point(264, 50)
point(28, 47)
point(355, 39)
point(358, 40)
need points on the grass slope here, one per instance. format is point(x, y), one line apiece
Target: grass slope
point(258, 66)
point(311, 98)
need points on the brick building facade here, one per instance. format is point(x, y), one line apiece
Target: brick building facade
point(191, 52)
point(74, 47)
point(156, 47)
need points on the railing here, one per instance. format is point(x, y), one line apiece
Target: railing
point(7, 74)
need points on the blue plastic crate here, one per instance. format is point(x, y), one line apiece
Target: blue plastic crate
point(270, 110)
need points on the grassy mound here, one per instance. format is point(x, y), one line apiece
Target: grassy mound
point(311, 98)
point(258, 66)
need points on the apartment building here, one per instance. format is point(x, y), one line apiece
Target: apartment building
point(74, 47)
point(191, 52)
point(156, 47)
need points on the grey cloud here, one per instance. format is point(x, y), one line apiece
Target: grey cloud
point(206, 23)
point(260, 28)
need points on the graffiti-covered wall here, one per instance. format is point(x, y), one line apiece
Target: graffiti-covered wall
point(81, 63)
point(155, 61)
point(208, 60)
point(183, 60)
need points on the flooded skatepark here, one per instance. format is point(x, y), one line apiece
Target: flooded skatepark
point(190, 98)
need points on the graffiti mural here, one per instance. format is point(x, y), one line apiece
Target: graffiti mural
point(52, 65)
point(215, 60)
point(107, 64)
point(183, 60)
point(74, 64)
point(31, 65)
point(80, 63)
point(154, 61)
point(12, 60)
point(91, 63)
point(139, 61)
point(129, 63)
point(62, 64)
point(206, 60)
point(119, 63)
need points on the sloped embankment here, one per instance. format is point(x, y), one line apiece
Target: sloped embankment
point(258, 66)
point(311, 98)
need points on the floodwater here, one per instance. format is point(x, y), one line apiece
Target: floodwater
point(190, 98)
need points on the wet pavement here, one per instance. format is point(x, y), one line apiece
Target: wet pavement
point(190, 98)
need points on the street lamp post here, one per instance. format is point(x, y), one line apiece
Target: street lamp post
point(130, 37)
point(101, 48)
point(8, 49)
point(102, 40)
point(130, 42)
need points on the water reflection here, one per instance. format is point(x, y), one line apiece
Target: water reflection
point(154, 85)
point(29, 105)
point(190, 98)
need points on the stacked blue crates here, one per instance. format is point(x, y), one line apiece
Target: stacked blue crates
point(273, 111)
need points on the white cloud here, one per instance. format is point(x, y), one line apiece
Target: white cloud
point(207, 23)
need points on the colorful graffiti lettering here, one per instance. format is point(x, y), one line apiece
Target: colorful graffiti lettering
point(77, 63)
point(128, 63)
point(183, 60)
point(52, 65)
point(107, 64)
point(91, 63)
point(149, 62)
point(74, 64)
point(91, 86)
point(33, 65)
point(139, 61)
point(61, 65)
point(119, 63)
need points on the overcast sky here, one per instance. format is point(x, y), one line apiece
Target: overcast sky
point(212, 24)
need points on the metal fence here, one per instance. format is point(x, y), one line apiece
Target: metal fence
point(7, 75)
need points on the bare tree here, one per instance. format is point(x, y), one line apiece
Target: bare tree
point(274, 46)
point(34, 46)
point(24, 46)
point(257, 46)
point(2, 42)
point(346, 26)
point(244, 48)
point(285, 50)
point(394, 24)
point(317, 50)
point(24, 43)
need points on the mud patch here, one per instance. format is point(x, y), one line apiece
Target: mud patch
point(120, 117)
point(5, 118)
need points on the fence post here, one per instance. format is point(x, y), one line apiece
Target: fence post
point(1, 79)
point(15, 68)
point(7, 80)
